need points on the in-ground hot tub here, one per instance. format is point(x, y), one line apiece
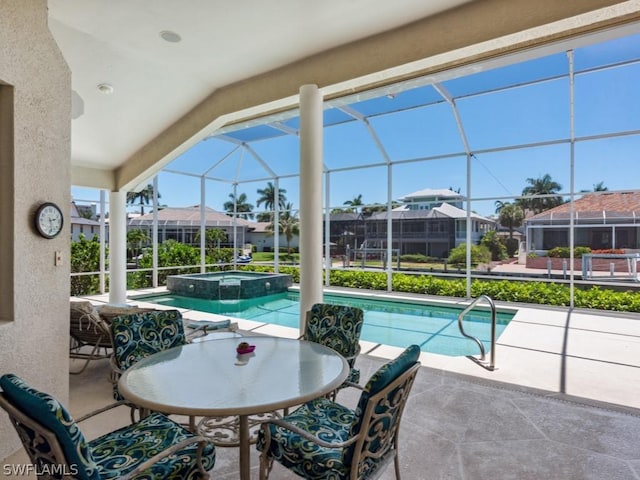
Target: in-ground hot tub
point(231, 285)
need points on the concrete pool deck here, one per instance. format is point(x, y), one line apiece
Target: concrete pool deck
point(591, 355)
point(563, 403)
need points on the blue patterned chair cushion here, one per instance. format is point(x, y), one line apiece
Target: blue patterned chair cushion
point(335, 326)
point(386, 374)
point(47, 411)
point(138, 335)
point(119, 452)
point(323, 418)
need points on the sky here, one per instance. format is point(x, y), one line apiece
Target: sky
point(494, 120)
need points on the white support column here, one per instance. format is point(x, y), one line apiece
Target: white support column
point(118, 248)
point(327, 229)
point(276, 225)
point(154, 235)
point(203, 224)
point(103, 243)
point(311, 202)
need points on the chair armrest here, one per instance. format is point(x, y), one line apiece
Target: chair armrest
point(201, 441)
point(347, 383)
point(306, 435)
point(101, 410)
point(201, 328)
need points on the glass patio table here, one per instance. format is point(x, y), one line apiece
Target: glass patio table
point(210, 379)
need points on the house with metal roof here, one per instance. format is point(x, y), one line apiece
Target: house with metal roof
point(183, 223)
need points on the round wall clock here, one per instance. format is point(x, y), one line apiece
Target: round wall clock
point(49, 220)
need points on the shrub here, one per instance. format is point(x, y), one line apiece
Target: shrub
point(415, 258)
point(564, 252)
point(559, 252)
point(492, 242)
point(512, 245)
point(542, 293)
point(85, 257)
point(479, 254)
point(579, 251)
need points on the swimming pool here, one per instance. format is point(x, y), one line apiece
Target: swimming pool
point(396, 323)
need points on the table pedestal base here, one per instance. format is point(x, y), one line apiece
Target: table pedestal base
point(225, 431)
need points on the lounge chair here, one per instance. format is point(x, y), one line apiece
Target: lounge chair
point(90, 334)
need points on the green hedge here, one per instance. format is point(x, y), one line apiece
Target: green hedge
point(541, 293)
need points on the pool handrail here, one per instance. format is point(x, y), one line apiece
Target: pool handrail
point(492, 352)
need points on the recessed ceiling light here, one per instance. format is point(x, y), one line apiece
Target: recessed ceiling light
point(170, 36)
point(105, 88)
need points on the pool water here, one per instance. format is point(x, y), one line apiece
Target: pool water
point(433, 327)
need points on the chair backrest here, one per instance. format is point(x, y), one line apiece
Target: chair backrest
point(49, 434)
point(137, 335)
point(86, 325)
point(335, 326)
point(379, 412)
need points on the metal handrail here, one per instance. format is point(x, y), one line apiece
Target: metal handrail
point(492, 354)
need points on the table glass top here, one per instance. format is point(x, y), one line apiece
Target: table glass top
point(210, 378)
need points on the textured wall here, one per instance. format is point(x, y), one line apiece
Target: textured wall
point(34, 339)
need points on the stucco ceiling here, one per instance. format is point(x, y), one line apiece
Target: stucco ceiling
point(154, 81)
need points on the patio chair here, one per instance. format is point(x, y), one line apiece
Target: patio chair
point(154, 448)
point(90, 335)
point(325, 440)
point(337, 327)
point(137, 335)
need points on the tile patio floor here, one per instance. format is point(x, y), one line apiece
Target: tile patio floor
point(563, 404)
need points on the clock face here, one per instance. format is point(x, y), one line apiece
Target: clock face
point(49, 220)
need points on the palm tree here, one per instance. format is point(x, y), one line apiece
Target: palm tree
point(144, 196)
point(212, 237)
point(597, 187)
point(268, 197)
point(239, 205)
point(511, 216)
point(354, 204)
point(537, 187)
point(377, 207)
point(499, 204)
point(135, 239)
point(288, 223)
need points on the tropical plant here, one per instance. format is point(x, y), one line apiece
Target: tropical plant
point(263, 216)
point(136, 238)
point(377, 207)
point(511, 216)
point(336, 211)
point(539, 194)
point(142, 198)
point(597, 187)
point(212, 237)
point(239, 205)
point(288, 223)
point(354, 204)
point(479, 254)
point(494, 245)
point(267, 196)
point(85, 257)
